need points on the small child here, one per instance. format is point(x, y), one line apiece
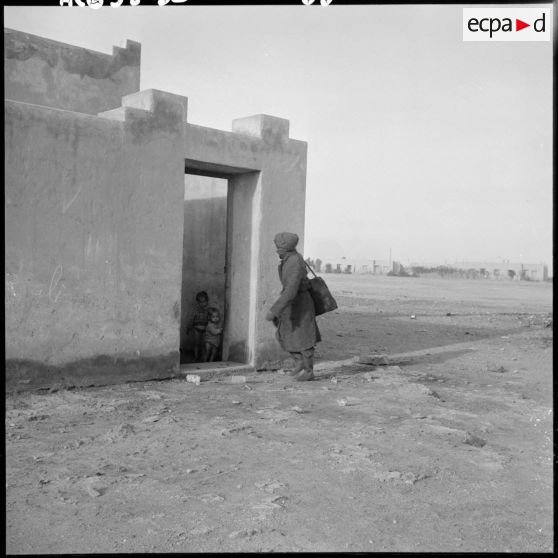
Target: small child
point(199, 324)
point(213, 333)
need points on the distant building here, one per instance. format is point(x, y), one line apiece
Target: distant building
point(350, 265)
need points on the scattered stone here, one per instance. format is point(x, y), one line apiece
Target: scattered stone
point(333, 380)
point(368, 376)
point(238, 379)
point(93, 487)
point(421, 389)
point(207, 498)
point(374, 360)
point(270, 486)
point(247, 428)
point(270, 504)
point(38, 417)
point(190, 471)
point(153, 418)
point(93, 492)
point(119, 432)
point(388, 476)
point(399, 477)
point(193, 379)
point(499, 369)
point(280, 500)
point(413, 317)
point(472, 440)
point(298, 410)
point(347, 402)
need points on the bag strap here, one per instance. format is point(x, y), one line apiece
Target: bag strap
point(310, 268)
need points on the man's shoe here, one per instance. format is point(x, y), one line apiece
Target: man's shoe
point(299, 366)
point(305, 376)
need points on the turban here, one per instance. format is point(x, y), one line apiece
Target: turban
point(286, 240)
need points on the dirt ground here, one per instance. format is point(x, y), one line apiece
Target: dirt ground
point(449, 451)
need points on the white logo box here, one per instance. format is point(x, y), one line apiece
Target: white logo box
point(499, 24)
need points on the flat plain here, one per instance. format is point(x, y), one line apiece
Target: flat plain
point(428, 428)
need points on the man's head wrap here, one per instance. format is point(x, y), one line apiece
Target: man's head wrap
point(286, 240)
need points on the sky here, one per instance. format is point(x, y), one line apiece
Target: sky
point(421, 147)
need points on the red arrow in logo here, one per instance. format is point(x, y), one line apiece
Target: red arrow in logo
point(519, 25)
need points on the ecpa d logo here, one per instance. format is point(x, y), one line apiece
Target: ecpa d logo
point(507, 24)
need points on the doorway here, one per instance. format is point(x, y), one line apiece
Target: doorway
point(220, 242)
point(203, 260)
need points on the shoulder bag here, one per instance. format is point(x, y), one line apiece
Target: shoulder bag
point(323, 300)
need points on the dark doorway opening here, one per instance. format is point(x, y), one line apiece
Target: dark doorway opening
point(203, 266)
point(221, 224)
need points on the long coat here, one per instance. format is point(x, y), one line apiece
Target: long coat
point(297, 329)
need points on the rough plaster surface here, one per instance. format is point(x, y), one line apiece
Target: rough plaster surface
point(49, 73)
point(203, 264)
point(93, 264)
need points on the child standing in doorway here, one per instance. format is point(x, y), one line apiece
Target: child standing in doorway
point(199, 325)
point(213, 333)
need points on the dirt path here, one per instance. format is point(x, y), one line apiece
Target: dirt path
point(451, 452)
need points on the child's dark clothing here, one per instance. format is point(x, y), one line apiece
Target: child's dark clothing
point(200, 318)
point(199, 324)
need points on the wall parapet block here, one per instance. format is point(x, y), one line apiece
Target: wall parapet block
point(153, 100)
point(270, 129)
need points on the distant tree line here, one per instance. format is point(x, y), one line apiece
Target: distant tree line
point(448, 271)
point(399, 270)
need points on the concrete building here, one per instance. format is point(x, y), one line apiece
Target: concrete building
point(352, 265)
point(104, 248)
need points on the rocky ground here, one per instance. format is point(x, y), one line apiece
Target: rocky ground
point(447, 447)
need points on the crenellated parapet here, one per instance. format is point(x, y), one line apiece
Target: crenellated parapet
point(270, 129)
